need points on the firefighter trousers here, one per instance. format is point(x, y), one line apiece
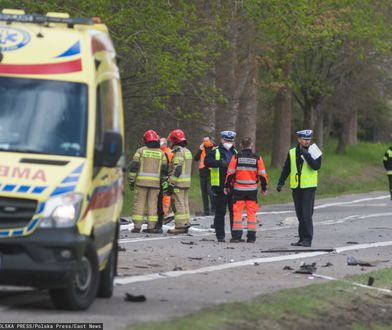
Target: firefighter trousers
point(181, 217)
point(251, 209)
point(145, 196)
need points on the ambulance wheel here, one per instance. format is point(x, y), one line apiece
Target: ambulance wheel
point(81, 291)
point(106, 283)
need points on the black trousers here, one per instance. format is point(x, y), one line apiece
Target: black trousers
point(160, 210)
point(222, 203)
point(304, 205)
point(390, 184)
point(205, 188)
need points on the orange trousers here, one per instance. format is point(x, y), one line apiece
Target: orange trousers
point(166, 204)
point(251, 209)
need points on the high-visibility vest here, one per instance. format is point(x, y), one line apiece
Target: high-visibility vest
point(387, 157)
point(307, 177)
point(202, 157)
point(215, 176)
point(246, 172)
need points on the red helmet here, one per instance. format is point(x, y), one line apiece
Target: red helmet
point(176, 136)
point(150, 136)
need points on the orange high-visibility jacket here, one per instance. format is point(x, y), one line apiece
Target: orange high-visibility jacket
point(244, 170)
point(168, 153)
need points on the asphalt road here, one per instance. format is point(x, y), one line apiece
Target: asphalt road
point(185, 273)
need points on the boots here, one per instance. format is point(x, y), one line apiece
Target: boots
point(135, 230)
point(251, 237)
point(236, 236)
point(180, 228)
point(152, 228)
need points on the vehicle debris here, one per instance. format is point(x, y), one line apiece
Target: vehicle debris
point(176, 268)
point(351, 242)
point(328, 264)
point(298, 250)
point(120, 248)
point(288, 268)
point(140, 266)
point(370, 281)
point(132, 298)
point(207, 240)
point(306, 268)
point(195, 258)
point(351, 261)
point(188, 243)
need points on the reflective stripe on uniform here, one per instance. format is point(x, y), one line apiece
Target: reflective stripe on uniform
point(137, 217)
point(244, 168)
point(184, 216)
point(152, 218)
point(389, 172)
point(230, 170)
point(245, 188)
point(246, 181)
point(262, 172)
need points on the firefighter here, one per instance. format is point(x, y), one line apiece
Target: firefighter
point(302, 168)
point(218, 160)
point(387, 160)
point(163, 200)
point(205, 177)
point(148, 168)
point(245, 170)
point(180, 180)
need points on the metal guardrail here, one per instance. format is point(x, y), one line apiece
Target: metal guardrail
point(42, 19)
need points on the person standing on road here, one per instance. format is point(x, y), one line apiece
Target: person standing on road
point(146, 172)
point(387, 160)
point(205, 177)
point(302, 166)
point(180, 180)
point(245, 170)
point(218, 160)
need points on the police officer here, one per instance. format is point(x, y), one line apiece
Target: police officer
point(218, 160)
point(387, 160)
point(302, 168)
point(146, 171)
point(245, 170)
point(180, 180)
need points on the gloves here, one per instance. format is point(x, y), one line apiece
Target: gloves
point(132, 186)
point(279, 188)
point(164, 186)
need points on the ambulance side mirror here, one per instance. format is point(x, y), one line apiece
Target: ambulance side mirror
point(112, 149)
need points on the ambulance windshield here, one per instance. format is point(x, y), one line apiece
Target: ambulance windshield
point(43, 116)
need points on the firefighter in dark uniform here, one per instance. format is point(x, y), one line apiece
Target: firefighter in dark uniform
point(218, 159)
point(302, 168)
point(387, 160)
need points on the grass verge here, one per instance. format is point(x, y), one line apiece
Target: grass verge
point(359, 170)
point(332, 305)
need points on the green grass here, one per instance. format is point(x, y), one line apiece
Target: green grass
point(359, 170)
point(337, 304)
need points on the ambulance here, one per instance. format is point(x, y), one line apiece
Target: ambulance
point(61, 156)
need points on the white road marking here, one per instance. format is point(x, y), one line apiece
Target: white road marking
point(330, 278)
point(356, 201)
point(248, 262)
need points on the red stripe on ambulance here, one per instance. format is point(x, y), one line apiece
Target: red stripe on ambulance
point(48, 68)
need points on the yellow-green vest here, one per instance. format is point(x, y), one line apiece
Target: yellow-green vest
point(308, 175)
point(214, 174)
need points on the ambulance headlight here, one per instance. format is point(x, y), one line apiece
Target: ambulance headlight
point(62, 211)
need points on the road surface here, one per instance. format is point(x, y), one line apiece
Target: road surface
point(185, 273)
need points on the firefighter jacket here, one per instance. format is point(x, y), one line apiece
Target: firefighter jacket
point(245, 170)
point(148, 167)
point(387, 160)
point(218, 159)
point(302, 169)
point(180, 167)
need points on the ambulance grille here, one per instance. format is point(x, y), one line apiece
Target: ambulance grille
point(16, 212)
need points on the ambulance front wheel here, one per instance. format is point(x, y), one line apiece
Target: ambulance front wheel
point(81, 291)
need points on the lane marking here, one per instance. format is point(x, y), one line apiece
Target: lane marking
point(351, 202)
point(248, 262)
point(330, 278)
point(209, 232)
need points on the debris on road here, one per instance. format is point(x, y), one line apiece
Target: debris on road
point(207, 240)
point(328, 264)
point(306, 268)
point(132, 298)
point(188, 243)
point(120, 248)
point(195, 258)
point(229, 248)
point(351, 242)
point(176, 268)
point(256, 264)
point(288, 268)
point(370, 281)
point(351, 261)
point(140, 266)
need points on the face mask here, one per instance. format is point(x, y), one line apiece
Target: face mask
point(227, 145)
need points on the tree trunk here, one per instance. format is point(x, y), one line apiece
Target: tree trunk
point(209, 108)
point(309, 114)
point(319, 127)
point(282, 127)
point(352, 128)
point(246, 125)
point(327, 126)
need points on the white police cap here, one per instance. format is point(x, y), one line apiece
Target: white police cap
point(228, 135)
point(305, 134)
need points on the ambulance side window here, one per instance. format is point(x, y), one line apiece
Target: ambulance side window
point(110, 100)
point(99, 129)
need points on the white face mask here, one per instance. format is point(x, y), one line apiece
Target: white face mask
point(227, 145)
